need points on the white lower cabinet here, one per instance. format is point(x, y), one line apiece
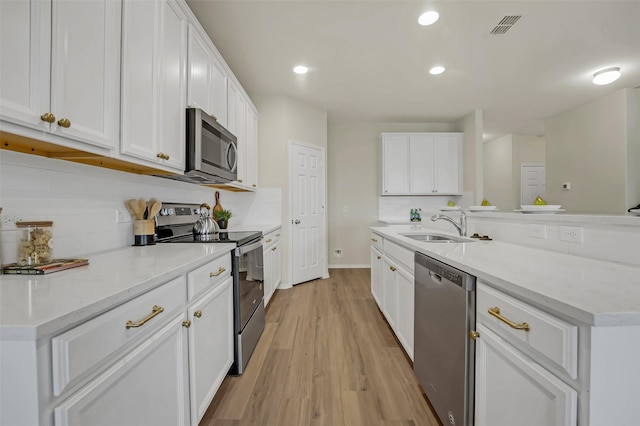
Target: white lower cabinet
point(389, 292)
point(511, 389)
point(405, 294)
point(210, 345)
point(148, 386)
point(376, 275)
point(272, 261)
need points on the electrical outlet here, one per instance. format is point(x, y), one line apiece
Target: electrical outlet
point(537, 230)
point(17, 219)
point(337, 252)
point(572, 234)
point(122, 216)
point(6, 220)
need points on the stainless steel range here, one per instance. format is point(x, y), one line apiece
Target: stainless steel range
point(174, 224)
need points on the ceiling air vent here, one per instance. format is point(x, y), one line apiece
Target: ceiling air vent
point(505, 24)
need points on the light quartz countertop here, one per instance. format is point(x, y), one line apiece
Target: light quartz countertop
point(264, 228)
point(35, 306)
point(594, 292)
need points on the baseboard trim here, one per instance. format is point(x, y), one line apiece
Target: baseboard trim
point(357, 266)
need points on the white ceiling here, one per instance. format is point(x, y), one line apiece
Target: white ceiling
point(368, 60)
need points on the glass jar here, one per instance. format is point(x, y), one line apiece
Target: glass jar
point(36, 244)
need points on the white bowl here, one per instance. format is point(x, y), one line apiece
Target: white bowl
point(543, 207)
point(482, 208)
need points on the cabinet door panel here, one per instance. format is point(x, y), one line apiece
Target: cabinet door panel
point(140, 100)
point(405, 294)
point(210, 345)
point(25, 31)
point(219, 92)
point(511, 389)
point(174, 101)
point(276, 269)
point(421, 164)
point(251, 137)
point(389, 293)
point(447, 154)
point(395, 169)
point(199, 72)
point(85, 70)
point(376, 276)
point(148, 386)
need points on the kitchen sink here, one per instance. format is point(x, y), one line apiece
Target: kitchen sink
point(437, 238)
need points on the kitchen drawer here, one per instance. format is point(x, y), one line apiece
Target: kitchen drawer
point(400, 254)
point(376, 241)
point(271, 238)
point(82, 350)
point(551, 337)
point(208, 275)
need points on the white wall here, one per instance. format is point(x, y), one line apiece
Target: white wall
point(283, 119)
point(498, 173)
point(82, 202)
point(353, 165)
point(593, 148)
point(633, 153)
point(472, 126)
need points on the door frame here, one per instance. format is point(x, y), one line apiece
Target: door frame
point(323, 151)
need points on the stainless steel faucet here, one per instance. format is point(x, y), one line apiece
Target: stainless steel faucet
point(461, 227)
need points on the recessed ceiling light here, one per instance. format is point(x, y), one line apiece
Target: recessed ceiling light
point(436, 70)
point(428, 18)
point(300, 69)
point(606, 76)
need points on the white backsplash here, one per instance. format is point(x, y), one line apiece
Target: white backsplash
point(398, 208)
point(82, 202)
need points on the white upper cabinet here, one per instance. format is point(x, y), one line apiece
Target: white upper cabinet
point(154, 83)
point(207, 86)
point(61, 68)
point(421, 163)
point(242, 121)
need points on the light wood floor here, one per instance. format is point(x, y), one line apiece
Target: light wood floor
point(326, 357)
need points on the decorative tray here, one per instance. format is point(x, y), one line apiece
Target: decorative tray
point(46, 268)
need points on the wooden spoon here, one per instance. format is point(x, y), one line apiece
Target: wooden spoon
point(155, 208)
point(142, 205)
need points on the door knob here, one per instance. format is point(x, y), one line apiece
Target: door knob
point(297, 221)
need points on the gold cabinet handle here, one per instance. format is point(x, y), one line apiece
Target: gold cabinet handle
point(186, 323)
point(274, 249)
point(197, 313)
point(474, 334)
point(277, 235)
point(374, 240)
point(215, 274)
point(156, 310)
point(269, 240)
point(496, 313)
point(64, 122)
point(48, 117)
point(240, 180)
point(254, 185)
point(167, 157)
point(160, 155)
point(393, 268)
point(379, 257)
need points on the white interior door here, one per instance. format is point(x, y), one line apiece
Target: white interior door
point(307, 213)
point(533, 182)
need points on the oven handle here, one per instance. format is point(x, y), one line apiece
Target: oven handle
point(249, 247)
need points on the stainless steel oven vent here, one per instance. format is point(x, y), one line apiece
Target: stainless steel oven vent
point(505, 24)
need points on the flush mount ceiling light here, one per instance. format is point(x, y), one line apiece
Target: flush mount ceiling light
point(606, 76)
point(428, 18)
point(300, 69)
point(436, 70)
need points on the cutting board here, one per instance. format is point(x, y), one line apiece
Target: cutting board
point(218, 206)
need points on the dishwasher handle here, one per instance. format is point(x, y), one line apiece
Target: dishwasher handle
point(435, 277)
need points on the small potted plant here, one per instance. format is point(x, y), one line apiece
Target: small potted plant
point(222, 217)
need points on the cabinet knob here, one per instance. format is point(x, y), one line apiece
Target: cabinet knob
point(268, 241)
point(274, 249)
point(379, 257)
point(162, 155)
point(393, 269)
point(240, 180)
point(197, 313)
point(64, 122)
point(374, 240)
point(186, 323)
point(48, 117)
point(254, 185)
point(474, 334)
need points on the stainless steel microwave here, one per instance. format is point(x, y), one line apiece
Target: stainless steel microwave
point(212, 153)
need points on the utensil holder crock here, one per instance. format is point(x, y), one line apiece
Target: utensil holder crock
point(144, 232)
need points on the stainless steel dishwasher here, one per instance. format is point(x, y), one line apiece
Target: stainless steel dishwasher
point(445, 302)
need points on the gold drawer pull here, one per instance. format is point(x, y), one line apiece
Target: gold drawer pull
point(215, 274)
point(240, 180)
point(379, 257)
point(393, 268)
point(156, 310)
point(496, 313)
point(197, 313)
point(48, 117)
point(64, 122)
point(186, 323)
point(274, 249)
point(277, 235)
point(269, 240)
point(374, 240)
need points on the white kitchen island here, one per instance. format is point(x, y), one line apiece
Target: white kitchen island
point(118, 338)
point(580, 357)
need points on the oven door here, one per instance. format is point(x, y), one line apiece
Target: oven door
point(248, 282)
